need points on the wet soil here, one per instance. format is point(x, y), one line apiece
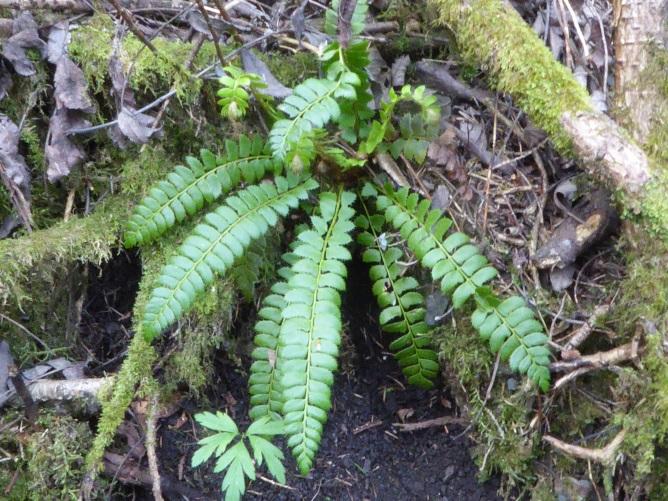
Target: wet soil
point(362, 455)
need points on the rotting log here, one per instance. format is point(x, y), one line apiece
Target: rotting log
point(492, 34)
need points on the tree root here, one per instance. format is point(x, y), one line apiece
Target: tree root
point(605, 456)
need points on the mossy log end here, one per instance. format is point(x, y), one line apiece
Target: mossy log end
point(491, 34)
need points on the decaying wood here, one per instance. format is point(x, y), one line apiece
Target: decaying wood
point(628, 351)
point(126, 470)
point(595, 218)
point(67, 390)
point(639, 24)
point(604, 456)
point(583, 332)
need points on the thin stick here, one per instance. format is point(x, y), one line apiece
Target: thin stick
point(151, 427)
point(24, 329)
point(219, 52)
point(430, 423)
point(605, 455)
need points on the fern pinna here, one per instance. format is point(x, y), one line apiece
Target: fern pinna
point(299, 327)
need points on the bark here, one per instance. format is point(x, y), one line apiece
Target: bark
point(639, 25)
point(491, 34)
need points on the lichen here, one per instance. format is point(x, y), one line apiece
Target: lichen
point(491, 34)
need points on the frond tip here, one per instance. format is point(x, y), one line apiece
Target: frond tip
point(215, 244)
point(513, 331)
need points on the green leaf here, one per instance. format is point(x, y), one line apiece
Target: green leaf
point(218, 422)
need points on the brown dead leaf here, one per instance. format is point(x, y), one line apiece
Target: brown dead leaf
point(404, 414)
point(25, 36)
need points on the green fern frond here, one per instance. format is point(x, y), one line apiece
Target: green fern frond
point(215, 244)
point(187, 189)
point(310, 332)
point(264, 383)
point(416, 135)
point(248, 269)
point(457, 264)
point(312, 105)
point(513, 331)
point(402, 307)
point(357, 22)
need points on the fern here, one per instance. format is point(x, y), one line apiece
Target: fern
point(514, 332)
point(249, 268)
point(215, 244)
point(311, 105)
point(416, 135)
point(187, 189)
point(310, 332)
point(402, 307)
point(264, 381)
point(456, 263)
point(356, 23)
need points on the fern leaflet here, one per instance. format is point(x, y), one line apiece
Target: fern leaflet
point(310, 332)
point(186, 189)
point(459, 265)
point(402, 307)
point(215, 244)
point(512, 330)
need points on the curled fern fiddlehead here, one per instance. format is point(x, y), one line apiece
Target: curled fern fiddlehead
point(186, 189)
point(402, 307)
point(215, 244)
point(310, 332)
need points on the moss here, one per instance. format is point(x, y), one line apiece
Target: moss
point(494, 36)
point(136, 368)
point(504, 441)
point(655, 75)
point(302, 65)
point(150, 73)
point(49, 458)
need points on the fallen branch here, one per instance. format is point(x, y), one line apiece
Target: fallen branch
point(151, 429)
point(430, 423)
point(604, 456)
point(492, 34)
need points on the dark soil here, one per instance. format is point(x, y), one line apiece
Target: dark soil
point(358, 459)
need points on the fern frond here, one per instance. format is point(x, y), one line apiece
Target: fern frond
point(513, 331)
point(264, 383)
point(187, 189)
point(457, 264)
point(312, 105)
point(310, 332)
point(357, 22)
point(248, 268)
point(416, 135)
point(215, 244)
point(402, 307)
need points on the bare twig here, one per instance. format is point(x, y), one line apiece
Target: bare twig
point(628, 351)
point(367, 426)
point(205, 14)
point(583, 332)
point(151, 428)
point(24, 329)
point(605, 455)
point(430, 423)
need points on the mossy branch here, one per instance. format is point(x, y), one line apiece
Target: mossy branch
point(492, 34)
